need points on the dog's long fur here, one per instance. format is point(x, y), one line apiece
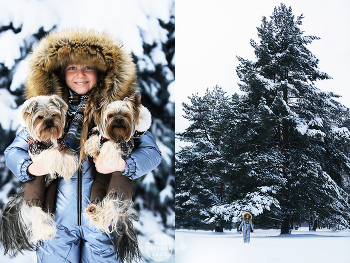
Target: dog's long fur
point(41, 225)
point(115, 215)
point(23, 227)
point(13, 228)
point(112, 213)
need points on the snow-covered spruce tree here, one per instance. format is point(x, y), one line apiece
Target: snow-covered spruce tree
point(245, 159)
point(156, 74)
point(194, 189)
point(16, 43)
point(301, 127)
point(200, 166)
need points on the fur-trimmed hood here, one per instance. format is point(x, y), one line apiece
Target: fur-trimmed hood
point(245, 214)
point(116, 70)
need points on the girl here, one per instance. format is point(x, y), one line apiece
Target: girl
point(76, 65)
point(247, 226)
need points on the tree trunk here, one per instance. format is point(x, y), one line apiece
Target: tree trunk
point(315, 225)
point(219, 229)
point(285, 227)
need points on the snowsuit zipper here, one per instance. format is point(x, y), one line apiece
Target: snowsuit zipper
point(79, 195)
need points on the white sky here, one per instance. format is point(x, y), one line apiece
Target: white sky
point(210, 34)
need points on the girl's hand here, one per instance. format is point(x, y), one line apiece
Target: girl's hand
point(37, 168)
point(254, 231)
point(101, 168)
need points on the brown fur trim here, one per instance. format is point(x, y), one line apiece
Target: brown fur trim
point(245, 214)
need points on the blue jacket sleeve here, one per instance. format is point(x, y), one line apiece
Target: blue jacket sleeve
point(251, 225)
point(145, 157)
point(17, 157)
point(241, 224)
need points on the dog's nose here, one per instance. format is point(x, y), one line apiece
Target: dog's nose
point(49, 123)
point(118, 121)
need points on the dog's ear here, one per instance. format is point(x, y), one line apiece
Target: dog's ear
point(26, 111)
point(29, 106)
point(59, 102)
point(135, 100)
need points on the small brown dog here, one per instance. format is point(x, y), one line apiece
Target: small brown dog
point(44, 117)
point(118, 123)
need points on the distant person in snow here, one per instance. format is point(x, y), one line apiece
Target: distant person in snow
point(247, 226)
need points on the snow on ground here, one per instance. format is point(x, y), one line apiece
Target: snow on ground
point(266, 246)
point(28, 257)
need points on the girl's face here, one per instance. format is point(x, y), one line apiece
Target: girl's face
point(246, 217)
point(80, 78)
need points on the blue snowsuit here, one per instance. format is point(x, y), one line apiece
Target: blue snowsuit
point(80, 243)
point(246, 230)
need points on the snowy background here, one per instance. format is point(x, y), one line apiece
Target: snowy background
point(207, 45)
point(147, 29)
point(266, 246)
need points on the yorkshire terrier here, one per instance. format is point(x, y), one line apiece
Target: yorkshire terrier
point(118, 123)
point(43, 118)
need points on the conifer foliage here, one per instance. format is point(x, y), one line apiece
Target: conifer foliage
point(198, 166)
point(285, 143)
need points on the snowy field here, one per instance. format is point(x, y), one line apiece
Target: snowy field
point(266, 246)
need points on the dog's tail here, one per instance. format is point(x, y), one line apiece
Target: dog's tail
point(13, 230)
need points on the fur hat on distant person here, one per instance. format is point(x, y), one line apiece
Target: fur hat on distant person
point(245, 214)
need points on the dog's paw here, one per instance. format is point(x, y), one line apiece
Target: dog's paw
point(92, 145)
point(110, 154)
point(70, 161)
point(93, 214)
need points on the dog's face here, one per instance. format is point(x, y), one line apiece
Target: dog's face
point(117, 120)
point(44, 117)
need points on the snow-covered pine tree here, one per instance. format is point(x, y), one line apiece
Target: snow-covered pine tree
point(302, 126)
point(156, 72)
point(200, 165)
point(194, 189)
point(16, 42)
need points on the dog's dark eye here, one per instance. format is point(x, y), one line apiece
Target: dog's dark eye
point(110, 116)
point(125, 115)
point(41, 117)
point(53, 115)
